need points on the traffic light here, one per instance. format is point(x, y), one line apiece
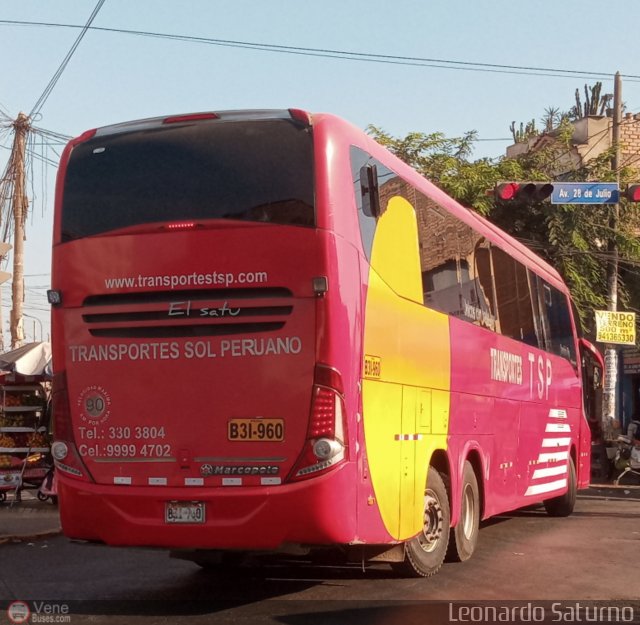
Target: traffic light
point(506, 191)
point(523, 192)
point(633, 193)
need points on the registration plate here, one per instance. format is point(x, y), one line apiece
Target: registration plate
point(256, 430)
point(184, 512)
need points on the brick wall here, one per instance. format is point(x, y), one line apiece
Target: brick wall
point(630, 141)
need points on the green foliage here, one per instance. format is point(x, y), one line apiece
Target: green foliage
point(573, 238)
point(594, 102)
point(524, 133)
point(553, 117)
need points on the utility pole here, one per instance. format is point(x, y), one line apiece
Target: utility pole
point(610, 353)
point(4, 276)
point(20, 206)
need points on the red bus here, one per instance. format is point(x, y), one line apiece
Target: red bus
point(269, 333)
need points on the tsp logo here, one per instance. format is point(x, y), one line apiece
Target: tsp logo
point(18, 612)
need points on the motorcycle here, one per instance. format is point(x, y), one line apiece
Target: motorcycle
point(627, 458)
point(49, 486)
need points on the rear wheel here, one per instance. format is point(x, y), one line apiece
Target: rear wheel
point(564, 504)
point(464, 536)
point(424, 553)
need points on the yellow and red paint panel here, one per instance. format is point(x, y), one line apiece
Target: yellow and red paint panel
point(406, 382)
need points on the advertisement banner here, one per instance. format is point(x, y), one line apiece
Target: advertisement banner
point(616, 327)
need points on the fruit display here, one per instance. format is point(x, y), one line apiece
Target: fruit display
point(36, 440)
point(24, 441)
point(19, 399)
point(16, 420)
point(7, 441)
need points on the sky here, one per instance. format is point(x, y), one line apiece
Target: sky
point(464, 86)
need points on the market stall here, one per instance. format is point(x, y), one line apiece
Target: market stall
point(24, 418)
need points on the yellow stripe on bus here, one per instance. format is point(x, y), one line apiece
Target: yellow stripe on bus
point(411, 395)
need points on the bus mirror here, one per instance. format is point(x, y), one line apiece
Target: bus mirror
point(369, 190)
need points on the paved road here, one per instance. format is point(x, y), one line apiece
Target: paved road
point(524, 556)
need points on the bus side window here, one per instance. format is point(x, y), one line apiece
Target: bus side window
point(562, 342)
point(555, 318)
point(504, 274)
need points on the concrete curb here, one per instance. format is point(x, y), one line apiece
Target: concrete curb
point(27, 538)
point(630, 492)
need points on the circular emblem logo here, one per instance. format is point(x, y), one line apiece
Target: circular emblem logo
point(95, 405)
point(18, 612)
point(206, 470)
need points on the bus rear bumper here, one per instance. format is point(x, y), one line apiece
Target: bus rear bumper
point(317, 511)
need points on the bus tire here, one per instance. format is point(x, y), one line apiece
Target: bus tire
point(464, 536)
point(564, 504)
point(425, 553)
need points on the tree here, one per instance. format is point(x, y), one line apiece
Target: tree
point(447, 163)
point(570, 237)
point(524, 133)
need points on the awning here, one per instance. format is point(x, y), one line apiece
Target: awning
point(30, 359)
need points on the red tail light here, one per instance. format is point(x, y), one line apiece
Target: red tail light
point(194, 117)
point(64, 450)
point(326, 442)
point(181, 225)
point(300, 116)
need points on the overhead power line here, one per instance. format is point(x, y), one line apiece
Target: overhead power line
point(370, 57)
point(52, 83)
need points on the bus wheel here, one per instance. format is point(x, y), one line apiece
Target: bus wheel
point(564, 504)
point(464, 536)
point(424, 553)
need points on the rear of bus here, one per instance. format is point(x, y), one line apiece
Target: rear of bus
point(197, 401)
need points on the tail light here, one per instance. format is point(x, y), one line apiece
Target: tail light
point(325, 446)
point(181, 225)
point(63, 449)
point(192, 117)
point(301, 116)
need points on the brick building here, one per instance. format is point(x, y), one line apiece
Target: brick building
point(591, 137)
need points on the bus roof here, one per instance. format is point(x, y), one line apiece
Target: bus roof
point(344, 131)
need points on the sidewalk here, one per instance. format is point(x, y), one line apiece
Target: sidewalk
point(608, 491)
point(28, 519)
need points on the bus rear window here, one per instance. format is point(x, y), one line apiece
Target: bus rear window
point(260, 171)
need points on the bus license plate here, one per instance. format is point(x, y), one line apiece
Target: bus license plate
point(256, 430)
point(184, 512)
